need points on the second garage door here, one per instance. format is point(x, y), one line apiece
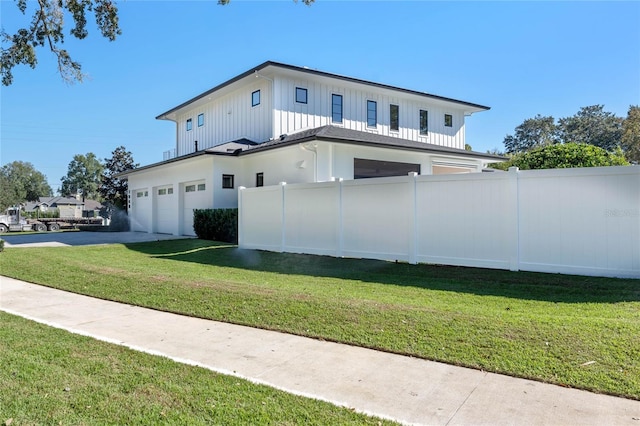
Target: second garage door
point(195, 197)
point(165, 208)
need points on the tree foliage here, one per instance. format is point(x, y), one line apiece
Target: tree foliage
point(83, 177)
point(592, 125)
point(19, 182)
point(631, 134)
point(112, 189)
point(46, 29)
point(566, 155)
point(532, 133)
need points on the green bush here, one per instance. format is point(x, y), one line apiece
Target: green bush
point(216, 224)
point(565, 155)
point(1, 246)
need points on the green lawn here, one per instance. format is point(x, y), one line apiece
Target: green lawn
point(541, 326)
point(50, 376)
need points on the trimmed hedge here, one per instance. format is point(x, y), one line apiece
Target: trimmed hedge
point(216, 224)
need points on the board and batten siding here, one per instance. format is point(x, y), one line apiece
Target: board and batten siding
point(292, 116)
point(227, 118)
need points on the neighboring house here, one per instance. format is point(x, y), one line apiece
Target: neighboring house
point(67, 206)
point(281, 123)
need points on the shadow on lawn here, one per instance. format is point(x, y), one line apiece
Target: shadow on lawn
point(489, 282)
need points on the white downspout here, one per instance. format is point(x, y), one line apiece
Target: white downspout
point(313, 148)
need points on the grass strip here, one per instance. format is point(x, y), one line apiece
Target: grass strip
point(575, 331)
point(50, 376)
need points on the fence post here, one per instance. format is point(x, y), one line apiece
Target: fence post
point(339, 228)
point(514, 225)
point(284, 218)
point(240, 221)
point(413, 220)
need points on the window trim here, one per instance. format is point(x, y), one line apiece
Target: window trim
point(306, 95)
point(253, 98)
point(397, 120)
point(333, 104)
point(226, 179)
point(201, 119)
point(450, 117)
point(189, 124)
point(375, 112)
point(426, 129)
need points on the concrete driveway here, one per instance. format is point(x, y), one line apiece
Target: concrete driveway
point(81, 238)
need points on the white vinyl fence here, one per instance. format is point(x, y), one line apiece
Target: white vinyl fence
point(573, 221)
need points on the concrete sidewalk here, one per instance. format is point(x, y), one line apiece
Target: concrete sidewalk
point(404, 389)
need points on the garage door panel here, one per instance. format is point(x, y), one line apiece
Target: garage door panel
point(195, 197)
point(165, 217)
point(141, 206)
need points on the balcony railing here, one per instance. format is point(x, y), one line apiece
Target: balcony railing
point(168, 155)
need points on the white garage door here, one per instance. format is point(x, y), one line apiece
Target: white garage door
point(141, 209)
point(166, 222)
point(195, 197)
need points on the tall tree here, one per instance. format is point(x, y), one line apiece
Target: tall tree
point(19, 182)
point(46, 29)
point(631, 135)
point(112, 189)
point(532, 133)
point(83, 177)
point(592, 125)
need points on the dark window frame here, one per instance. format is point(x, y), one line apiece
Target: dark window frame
point(448, 120)
point(299, 92)
point(423, 125)
point(255, 98)
point(372, 119)
point(228, 181)
point(334, 106)
point(259, 179)
point(200, 119)
point(394, 120)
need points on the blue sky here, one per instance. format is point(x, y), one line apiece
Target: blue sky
point(519, 58)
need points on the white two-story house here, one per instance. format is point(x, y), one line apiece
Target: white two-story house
point(282, 123)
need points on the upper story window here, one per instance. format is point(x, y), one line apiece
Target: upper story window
point(301, 95)
point(200, 120)
point(394, 117)
point(255, 98)
point(189, 124)
point(372, 113)
point(260, 179)
point(448, 120)
point(336, 108)
point(424, 122)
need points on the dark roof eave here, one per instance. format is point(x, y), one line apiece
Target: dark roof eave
point(124, 175)
point(430, 149)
